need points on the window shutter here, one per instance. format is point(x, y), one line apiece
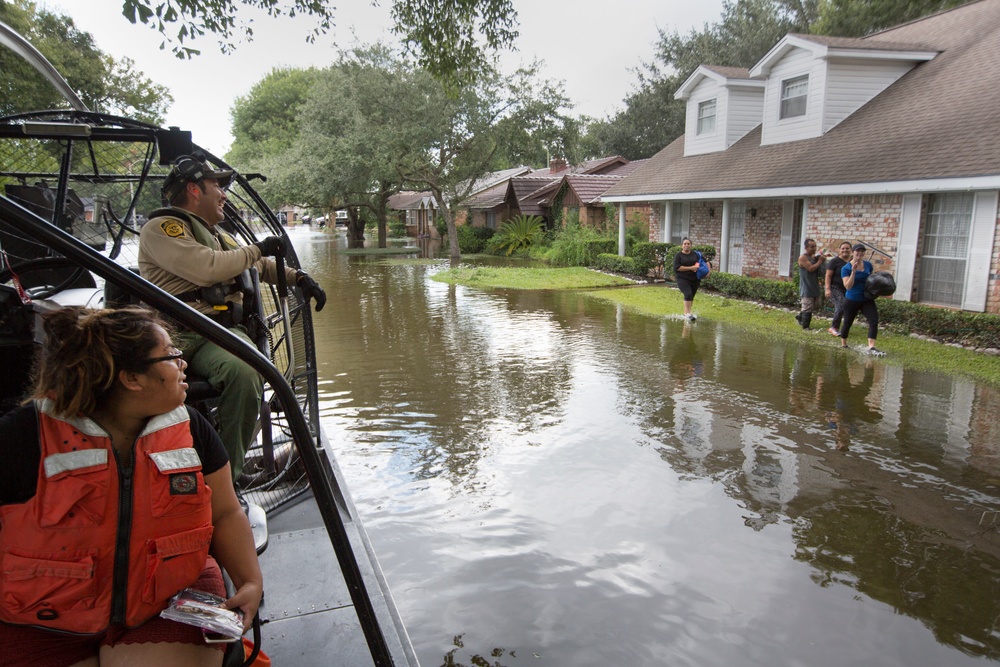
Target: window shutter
point(785, 248)
point(686, 219)
point(977, 277)
point(909, 237)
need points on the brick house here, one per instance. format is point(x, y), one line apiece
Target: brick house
point(418, 211)
point(572, 188)
point(892, 139)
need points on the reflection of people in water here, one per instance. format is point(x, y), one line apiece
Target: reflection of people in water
point(845, 403)
point(686, 361)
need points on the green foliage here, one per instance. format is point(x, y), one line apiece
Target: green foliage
point(472, 240)
point(104, 84)
point(520, 233)
point(578, 246)
point(505, 277)
point(195, 18)
point(265, 120)
point(650, 257)
point(397, 227)
point(856, 18)
point(448, 36)
point(981, 330)
point(618, 264)
point(778, 292)
point(441, 226)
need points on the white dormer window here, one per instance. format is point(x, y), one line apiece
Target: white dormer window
point(706, 116)
point(793, 97)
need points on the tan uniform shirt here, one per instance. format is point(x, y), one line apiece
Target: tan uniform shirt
point(172, 258)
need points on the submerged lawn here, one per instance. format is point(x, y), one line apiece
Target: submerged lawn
point(769, 322)
point(498, 277)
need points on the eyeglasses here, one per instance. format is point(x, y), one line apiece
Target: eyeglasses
point(176, 356)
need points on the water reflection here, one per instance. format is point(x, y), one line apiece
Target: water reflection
point(584, 486)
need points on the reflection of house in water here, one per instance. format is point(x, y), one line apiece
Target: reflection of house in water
point(895, 517)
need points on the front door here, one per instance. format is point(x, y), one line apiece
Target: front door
point(737, 223)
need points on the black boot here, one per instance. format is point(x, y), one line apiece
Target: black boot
point(806, 320)
point(798, 317)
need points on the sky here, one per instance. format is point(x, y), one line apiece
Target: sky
point(592, 46)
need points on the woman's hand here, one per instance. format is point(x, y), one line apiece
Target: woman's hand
point(247, 600)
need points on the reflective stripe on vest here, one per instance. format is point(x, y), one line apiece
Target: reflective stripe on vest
point(58, 548)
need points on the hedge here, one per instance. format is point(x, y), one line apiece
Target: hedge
point(595, 247)
point(980, 330)
point(607, 261)
point(778, 292)
point(472, 240)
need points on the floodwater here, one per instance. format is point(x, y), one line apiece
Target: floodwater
point(551, 481)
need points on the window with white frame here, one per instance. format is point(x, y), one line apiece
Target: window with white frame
point(706, 116)
point(946, 248)
point(491, 219)
point(794, 93)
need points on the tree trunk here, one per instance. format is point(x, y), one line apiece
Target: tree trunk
point(355, 229)
point(456, 253)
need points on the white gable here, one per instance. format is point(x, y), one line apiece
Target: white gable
point(735, 103)
point(841, 77)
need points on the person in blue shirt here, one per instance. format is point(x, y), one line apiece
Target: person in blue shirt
point(855, 274)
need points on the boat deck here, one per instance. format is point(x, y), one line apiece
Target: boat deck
point(311, 620)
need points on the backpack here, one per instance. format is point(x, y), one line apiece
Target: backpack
point(704, 268)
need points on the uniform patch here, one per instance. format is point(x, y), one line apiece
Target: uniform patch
point(172, 228)
point(228, 241)
point(183, 484)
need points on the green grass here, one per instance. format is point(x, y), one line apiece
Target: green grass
point(493, 277)
point(410, 261)
point(778, 324)
point(379, 251)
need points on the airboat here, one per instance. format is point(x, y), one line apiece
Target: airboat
point(74, 187)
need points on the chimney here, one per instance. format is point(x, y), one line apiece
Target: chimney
point(556, 165)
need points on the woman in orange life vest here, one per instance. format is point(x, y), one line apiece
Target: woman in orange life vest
point(112, 495)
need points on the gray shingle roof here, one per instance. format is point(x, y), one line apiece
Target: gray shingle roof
point(940, 120)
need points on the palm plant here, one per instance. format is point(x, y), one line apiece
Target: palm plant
point(520, 233)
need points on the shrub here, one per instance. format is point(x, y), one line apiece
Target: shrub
point(649, 257)
point(980, 330)
point(778, 292)
point(397, 227)
point(472, 240)
point(618, 264)
point(519, 233)
point(578, 246)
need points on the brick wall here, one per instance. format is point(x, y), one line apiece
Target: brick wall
point(873, 219)
point(762, 239)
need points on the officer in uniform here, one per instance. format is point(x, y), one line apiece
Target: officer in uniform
point(183, 252)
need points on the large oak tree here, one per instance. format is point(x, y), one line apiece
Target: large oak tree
point(452, 39)
point(103, 83)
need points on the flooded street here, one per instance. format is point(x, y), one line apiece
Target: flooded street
point(551, 481)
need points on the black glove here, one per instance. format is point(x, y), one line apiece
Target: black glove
point(311, 290)
point(272, 246)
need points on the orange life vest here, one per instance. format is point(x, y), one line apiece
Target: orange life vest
point(101, 544)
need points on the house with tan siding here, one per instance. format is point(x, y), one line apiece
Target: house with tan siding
point(892, 139)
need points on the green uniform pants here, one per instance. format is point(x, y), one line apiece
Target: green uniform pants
point(239, 386)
